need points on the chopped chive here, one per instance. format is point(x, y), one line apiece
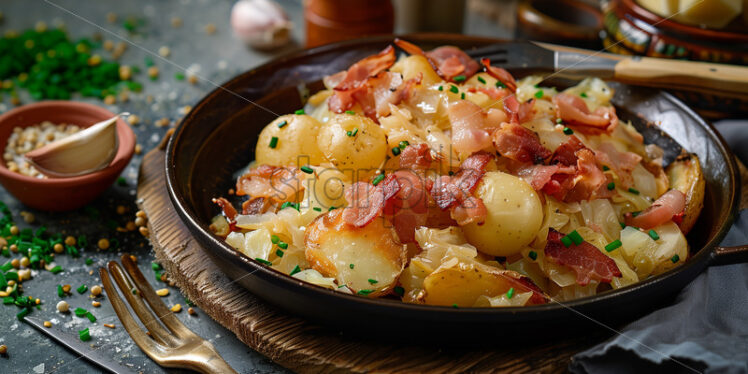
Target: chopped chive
point(274, 239)
point(56, 270)
point(480, 79)
point(583, 94)
point(377, 179)
point(539, 94)
point(623, 225)
point(396, 151)
point(566, 241)
point(273, 142)
point(84, 335)
point(348, 133)
point(156, 266)
point(283, 245)
point(263, 261)
point(605, 168)
point(179, 76)
point(23, 313)
point(373, 281)
point(533, 255)
point(403, 144)
point(82, 289)
point(399, 291)
point(633, 190)
point(80, 312)
point(611, 186)
point(454, 88)
point(675, 258)
point(90, 317)
point(350, 112)
point(575, 237)
point(300, 111)
point(364, 292)
point(355, 131)
point(317, 209)
point(289, 204)
point(307, 169)
point(559, 121)
point(441, 88)
point(510, 293)
point(295, 270)
point(462, 96)
point(459, 78)
point(351, 266)
point(653, 234)
point(282, 123)
point(568, 131)
point(613, 245)
point(332, 208)
point(89, 261)
point(500, 85)
point(279, 253)
point(60, 292)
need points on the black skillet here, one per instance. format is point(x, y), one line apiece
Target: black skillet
point(218, 136)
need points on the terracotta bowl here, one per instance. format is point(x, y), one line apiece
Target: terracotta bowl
point(62, 194)
point(632, 30)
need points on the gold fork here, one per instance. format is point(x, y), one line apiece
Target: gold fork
point(170, 344)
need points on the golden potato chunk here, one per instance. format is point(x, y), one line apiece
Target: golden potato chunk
point(685, 176)
point(353, 142)
point(514, 215)
point(368, 260)
point(289, 141)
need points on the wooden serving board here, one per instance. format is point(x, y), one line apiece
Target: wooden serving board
point(301, 346)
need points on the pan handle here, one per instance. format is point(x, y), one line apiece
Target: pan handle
point(729, 255)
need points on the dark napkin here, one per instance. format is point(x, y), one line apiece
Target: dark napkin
point(705, 330)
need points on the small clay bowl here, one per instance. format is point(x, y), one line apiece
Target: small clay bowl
point(62, 194)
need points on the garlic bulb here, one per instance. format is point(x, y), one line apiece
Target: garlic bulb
point(81, 153)
point(261, 23)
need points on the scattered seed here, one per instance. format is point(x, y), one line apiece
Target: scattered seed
point(66, 288)
point(103, 244)
point(25, 262)
point(110, 100)
point(144, 231)
point(138, 149)
point(70, 240)
point(63, 306)
point(111, 17)
point(176, 22)
point(47, 324)
point(140, 221)
point(96, 290)
point(163, 292)
point(121, 209)
point(191, 311)
point(15, 263)
point(176, 308)
point(58, 248)
point(164, 51)
point(95, 304)
point(192, 79)
point(14, 248)
point(14, 230)
point(210, 29)
point(109, 325)
point(28, 217)
point(3, 349)
point(130, 226)
point(133, 119)
point(153, 72)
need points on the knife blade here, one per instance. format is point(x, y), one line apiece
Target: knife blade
point(73, 343)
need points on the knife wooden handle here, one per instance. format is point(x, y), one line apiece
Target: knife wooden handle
point(718, 79)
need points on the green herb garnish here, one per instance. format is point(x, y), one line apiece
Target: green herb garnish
point(273, 142)
point(613, 245)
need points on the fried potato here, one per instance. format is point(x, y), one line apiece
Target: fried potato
point(514, 215)
point(352, 142)
point(293, 146)
point(368, 260)
point(685, 176)
point(462, 284)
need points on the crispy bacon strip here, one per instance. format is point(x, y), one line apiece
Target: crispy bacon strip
point(585, 259)
point(524, 284)
point(622, 163)
point(256, 205)
point(667, 207)
point(228, 210)
point(574, 112)
point(469, 131)
point(565, 154)
point(366, 201)
point(416, 157)
point(502, 75)
point(279, 184)
point(518, 113)
point(353, 86)
point(470, 210)
point(520, 144)
point(408, 209)
point(588, 181)
point(447, 61)
point(455, 192)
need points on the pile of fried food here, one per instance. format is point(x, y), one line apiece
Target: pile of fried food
point(435, 179)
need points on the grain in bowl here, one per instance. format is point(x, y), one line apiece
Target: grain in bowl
point(27, 139)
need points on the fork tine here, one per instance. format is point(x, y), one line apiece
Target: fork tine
point(165, 315)
point(493, 49)
point(154, 350)
point(136, 303)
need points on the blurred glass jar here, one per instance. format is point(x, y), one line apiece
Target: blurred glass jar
point(429, 16)
point(330, 21)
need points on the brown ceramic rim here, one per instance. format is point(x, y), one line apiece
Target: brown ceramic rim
point(124, 150)
point(706, 256)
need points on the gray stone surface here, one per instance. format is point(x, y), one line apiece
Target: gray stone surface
point(215, 59)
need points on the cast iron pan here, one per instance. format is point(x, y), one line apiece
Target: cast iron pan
point(218, 136)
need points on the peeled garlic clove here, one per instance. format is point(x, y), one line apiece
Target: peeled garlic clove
point(261, 23)
point(81, 153)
